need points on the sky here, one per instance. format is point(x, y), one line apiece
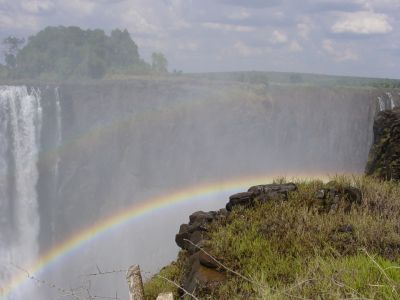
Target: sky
point(341, 37)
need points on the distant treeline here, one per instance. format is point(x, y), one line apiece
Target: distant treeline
point(266, 78)
point(70, 52)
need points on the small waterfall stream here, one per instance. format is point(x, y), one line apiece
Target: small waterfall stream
point(20, 127)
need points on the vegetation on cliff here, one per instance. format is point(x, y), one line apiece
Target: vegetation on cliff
point(305, 248)
point(71, 52)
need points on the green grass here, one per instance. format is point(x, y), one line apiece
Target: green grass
point(294, 250)
point(158, 283)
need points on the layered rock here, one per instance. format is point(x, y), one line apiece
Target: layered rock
point(202, 270)
point(261, 193)
point(384, 156)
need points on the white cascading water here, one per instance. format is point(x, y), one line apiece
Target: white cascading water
point(392, 103)
point(20, 127)
point(58, 145)
point(382, 105)
point(387, 102)
point(58, 132)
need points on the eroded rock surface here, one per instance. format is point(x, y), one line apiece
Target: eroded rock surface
point(384, 156)
point(261, 193)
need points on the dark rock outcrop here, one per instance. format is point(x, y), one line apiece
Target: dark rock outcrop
point(261, 193)
point(202, 271)
point(331, 198)
point(194, 231)
point(384, 156)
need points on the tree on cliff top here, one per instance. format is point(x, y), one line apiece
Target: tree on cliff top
point(159, 63)
point(11, 46)
point(70, 52)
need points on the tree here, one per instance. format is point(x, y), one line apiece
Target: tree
point(159, 63)
point(11, 47)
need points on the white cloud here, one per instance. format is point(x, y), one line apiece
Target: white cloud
point(18, 22)
point(304, 30)
point(35, 6)
point(379, 4)
point(227, 27)
point(363, 22)
point(247, 51)
point(139, 22)
point(339, 53)
point(79, 7)
point(188, 46)
point(295, 47)
point(278, 37)
point(241, 14)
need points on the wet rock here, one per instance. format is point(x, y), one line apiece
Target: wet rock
point(194, 231)
point(270, 188)
point(201, 277)
point(353, 195)
point(207, 261)
point(201, 216)
point(384, 155)
point(331, 198)
point(262, 193)
point(243, 199)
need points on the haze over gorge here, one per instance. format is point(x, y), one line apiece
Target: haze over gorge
point(84, 152)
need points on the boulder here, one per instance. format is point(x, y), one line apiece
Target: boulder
point(262, 193)
point(331, 197)
point(243, 199)
point(194, 231)
point(198, 276)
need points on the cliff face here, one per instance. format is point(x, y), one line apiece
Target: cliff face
point(122, 142)
point(105, 147)
point(384, 156)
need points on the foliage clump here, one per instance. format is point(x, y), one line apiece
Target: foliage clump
point(71, 52)
point(162, 281)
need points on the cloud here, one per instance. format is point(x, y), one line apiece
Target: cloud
point(17, 22)
point(228, 27)
point(241, 14)
point(304, 29)
point(252, 3)
point(338, 53)
point(278, 37)
point(295, 47)
point(247, 51)
point(332, 5)
point(363, 22)
point(37, 6)
point(188, 46)
point(79, 7)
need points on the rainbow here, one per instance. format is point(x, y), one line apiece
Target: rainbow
point(122, 217)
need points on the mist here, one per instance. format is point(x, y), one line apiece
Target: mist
point(117, 122)
point(101, 148)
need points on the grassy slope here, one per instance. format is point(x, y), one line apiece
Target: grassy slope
point(296, 250)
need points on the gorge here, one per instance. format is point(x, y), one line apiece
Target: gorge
point(74, 154)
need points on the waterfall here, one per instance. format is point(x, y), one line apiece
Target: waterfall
point(58, 133)
point(382, 105)
point(392, 103)
point(20, 127)
point(387, 102)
